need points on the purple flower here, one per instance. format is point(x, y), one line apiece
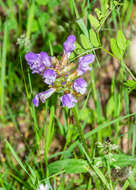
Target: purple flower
point(69, 45)
point(38, 62)
point(42, 96)
point(84, 63)
point(36, 100)
point(45, 59)
point(49, 76)
point(68, 100)
point(80, 85)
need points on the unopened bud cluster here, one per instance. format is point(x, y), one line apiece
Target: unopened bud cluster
point(61, 76)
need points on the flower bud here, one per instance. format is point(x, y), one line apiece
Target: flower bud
point(69, 45)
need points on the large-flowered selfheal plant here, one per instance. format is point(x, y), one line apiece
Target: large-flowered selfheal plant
point(61, 76)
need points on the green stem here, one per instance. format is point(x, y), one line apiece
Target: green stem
point(126, 67)
point(80, 130)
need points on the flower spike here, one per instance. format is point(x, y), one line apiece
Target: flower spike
point(61, 76)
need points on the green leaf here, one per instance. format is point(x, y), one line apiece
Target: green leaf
point(93, 38)
point(30, 19)
point(114, 47)
point(82, 26)
point(78, 49)
point(131, 85)
point(85, 41)
point(121, 40)
point(101, 175)
point(86, 114)
point(99, 13)
point(16, 157)
point(93, 21)
point(104, 6)
point(69, 166)
point(34, 26)
point(123, 160)
point(110, 107)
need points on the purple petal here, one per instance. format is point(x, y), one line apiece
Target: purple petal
point(45, 59)
point(87, 59)
point(49, 76)
point(38, 62)
point(36, 101)
point(68, 100)
point(81, 70)
point(80, 85)
point(69, 45)
point(42, 96)
point(31, 57)
point(84, 63)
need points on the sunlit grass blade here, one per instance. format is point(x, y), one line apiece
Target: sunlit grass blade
point(48, 134)
point(3, 68)
point(16, 157)
point(30, 19)
point(100, 127)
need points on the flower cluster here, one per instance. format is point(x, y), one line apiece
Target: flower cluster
point(61, 76)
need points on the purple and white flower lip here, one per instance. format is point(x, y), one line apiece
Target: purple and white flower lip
point(68, 100)
point(38, 62)
point(42, 96)
point(49, 76)
point(80, 85)
point(69, 45)
point(46, 94)
point(46, 60)
point(84, 64)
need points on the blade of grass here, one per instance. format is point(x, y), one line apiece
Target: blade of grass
point(97, 170)
point(49, 132)
point(33, 113)
point(102, 126)
point(134, 139)
point(75, 9)
point(30, 19)
point(128, 13)
point(3, 68)
point(126, 184)
point(16, 157)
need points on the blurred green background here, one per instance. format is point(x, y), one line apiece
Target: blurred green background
point(42, 145)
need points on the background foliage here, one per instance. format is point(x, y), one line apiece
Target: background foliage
point(39, 146)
